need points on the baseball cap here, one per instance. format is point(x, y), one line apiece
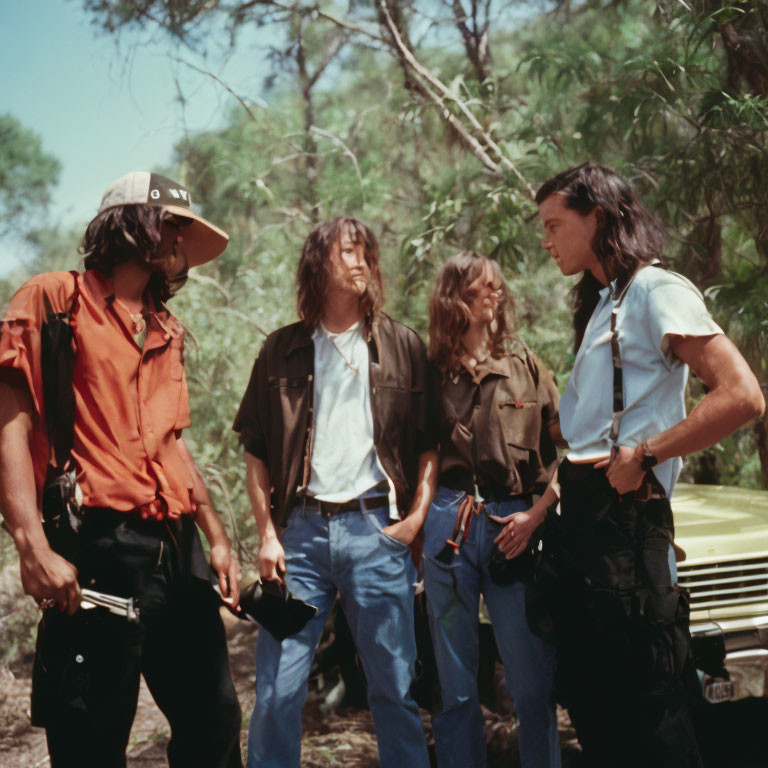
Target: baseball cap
point(203, 241)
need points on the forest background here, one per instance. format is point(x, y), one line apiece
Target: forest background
point(435, 121)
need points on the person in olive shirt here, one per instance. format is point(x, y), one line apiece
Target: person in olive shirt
point(497, 408)
point(338, 446)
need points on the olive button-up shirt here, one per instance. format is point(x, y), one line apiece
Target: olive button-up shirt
point(509, 405)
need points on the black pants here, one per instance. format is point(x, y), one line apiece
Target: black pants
point(88, 666)
point(619, 626)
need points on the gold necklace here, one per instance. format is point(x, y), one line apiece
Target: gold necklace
point(347, 364)
point(139, 321)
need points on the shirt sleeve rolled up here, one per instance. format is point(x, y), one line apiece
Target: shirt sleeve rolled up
point(676, 308)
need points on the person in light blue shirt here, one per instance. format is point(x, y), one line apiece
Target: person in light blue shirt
point(659, 306)
point(618, 622)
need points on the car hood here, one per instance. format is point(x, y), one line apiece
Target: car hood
point(719, 520)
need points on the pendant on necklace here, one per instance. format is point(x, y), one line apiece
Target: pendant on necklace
point(139, 324)
point(354, 368)
point(138, 319)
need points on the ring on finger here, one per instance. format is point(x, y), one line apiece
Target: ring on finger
point(46, 603)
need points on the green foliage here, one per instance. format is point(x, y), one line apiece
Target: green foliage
point(655, 90)
point(675, 99)
point(27, 174)
point(18, 614)
point(651, 89)
point(55, 249)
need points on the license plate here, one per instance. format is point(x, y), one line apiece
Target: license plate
point(716, 691)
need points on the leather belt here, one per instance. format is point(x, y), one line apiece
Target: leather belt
point(460, 479)
point(331, 508)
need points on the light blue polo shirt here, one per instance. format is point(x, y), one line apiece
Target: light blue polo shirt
point(657, 303)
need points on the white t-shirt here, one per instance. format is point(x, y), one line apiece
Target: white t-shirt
point(344, 460)
point(657, 303)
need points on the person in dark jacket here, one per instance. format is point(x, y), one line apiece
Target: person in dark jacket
point(340, 461)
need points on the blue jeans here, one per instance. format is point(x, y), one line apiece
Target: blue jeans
point(453, 598)
point(374, 575)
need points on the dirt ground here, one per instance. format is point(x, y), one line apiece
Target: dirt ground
point(332, 737)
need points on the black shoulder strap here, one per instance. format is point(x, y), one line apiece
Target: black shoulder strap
point(56, 358)
point(618, 376)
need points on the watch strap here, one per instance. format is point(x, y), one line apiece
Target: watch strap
point(648, 459)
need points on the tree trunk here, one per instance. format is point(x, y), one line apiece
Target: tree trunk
point(309, 144)
point(475, 37)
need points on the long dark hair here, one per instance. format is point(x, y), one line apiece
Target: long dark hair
point(449, 312)
point(628, 236)
point(130, 233)
point(312, 277)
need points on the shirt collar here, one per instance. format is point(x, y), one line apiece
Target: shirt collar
point(321, 330)
point(102, 287)
point(491, 365)
point(304, 337)
point(497, 366)
point(614, 283)
point(99, 285)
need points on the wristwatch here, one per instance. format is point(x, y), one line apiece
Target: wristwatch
point(647, 459)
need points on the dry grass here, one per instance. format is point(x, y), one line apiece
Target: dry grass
point(343, 739)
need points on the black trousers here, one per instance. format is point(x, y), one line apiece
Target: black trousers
point(620, 627)
point(88, 666)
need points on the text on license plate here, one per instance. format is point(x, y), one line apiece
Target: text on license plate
point(716, 691)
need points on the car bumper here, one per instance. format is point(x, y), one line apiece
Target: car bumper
point(744, 645)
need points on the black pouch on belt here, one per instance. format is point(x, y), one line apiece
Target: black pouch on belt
point(61, 515)
point(505, 572)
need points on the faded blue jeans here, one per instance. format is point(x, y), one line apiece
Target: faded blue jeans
point(453, 598)
point(374, 575)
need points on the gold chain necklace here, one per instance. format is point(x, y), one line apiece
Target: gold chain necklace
point(347, 363)
point(139, 321)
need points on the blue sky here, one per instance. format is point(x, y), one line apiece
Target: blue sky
point(104, 107)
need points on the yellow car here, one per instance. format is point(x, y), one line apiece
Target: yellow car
point(723, 533)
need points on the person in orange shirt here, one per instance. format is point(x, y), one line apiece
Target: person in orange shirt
point(93, 390)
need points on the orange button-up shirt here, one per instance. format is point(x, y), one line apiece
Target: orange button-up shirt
point(131, 402)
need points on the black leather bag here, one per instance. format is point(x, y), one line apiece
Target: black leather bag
point(602, 585)
point(504, 572)
point(61, 514)
point(275, 608)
